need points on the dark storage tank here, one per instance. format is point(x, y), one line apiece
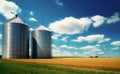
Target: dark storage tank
point(15, 42)
point(41, 43)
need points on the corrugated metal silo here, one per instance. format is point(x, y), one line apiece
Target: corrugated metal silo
point(41, 43)
point(15, 42)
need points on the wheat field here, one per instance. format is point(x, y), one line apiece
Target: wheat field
point(89, 63)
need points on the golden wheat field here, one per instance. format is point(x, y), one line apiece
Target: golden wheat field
point(90, 63)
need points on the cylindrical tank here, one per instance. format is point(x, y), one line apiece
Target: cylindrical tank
point(15, 42)
point(41, 43)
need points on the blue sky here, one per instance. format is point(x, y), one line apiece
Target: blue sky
point(80, 27)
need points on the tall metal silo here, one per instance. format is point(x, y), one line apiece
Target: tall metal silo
point(15, 42)
point(41, 43)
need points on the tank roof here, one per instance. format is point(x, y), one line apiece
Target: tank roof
point(16, 19)
point(41, 27)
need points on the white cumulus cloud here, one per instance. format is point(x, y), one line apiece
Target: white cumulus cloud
point(101, 52)
point(116, 48)
point(65, 38)
point(58, 2)
point(91, 48)
point(66, 53)
point(70, 25)
point(56, 52)
point(8, 9)
point(116, 43)
point(114, 18)
point(31, 29)
point(92, 38)
point(31, 13)
point(68, 47)
point(32, 19)
point(55, 36)
point(54, 46)
point(98, 20)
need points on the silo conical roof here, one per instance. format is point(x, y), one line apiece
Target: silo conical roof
point(16, 19)
point(41, 27)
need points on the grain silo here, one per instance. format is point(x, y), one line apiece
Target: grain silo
point(15, 42)
point(41, 42)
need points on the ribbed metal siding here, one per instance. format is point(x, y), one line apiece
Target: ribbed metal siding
point(15, 40)
point(41, 44)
